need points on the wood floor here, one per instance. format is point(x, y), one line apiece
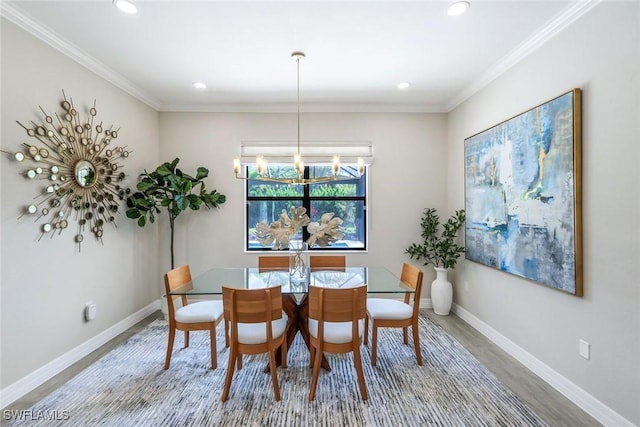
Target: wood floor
point(549, 404)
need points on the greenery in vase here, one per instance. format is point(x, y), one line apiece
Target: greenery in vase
point(438, 247)
point(169, 188)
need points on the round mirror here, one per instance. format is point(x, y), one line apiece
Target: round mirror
point(85, 174)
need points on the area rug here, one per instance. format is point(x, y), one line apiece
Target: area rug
point(128, 387)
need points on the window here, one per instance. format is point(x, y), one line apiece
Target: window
point(346, 199)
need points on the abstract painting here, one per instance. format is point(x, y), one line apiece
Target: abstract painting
point(523, 195)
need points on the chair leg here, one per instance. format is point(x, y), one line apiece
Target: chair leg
point(214, 350)
point(366, 330)
point(186, 339)
point(172, 335)
point(230, 367)
point(357, 361)
point(239, 361)
point(274, 373)
point(374, 343)
point(226, 334)
point(405, 335)
point(283, 352)
point(312, 354)
point(416, 342)
point(316, 372)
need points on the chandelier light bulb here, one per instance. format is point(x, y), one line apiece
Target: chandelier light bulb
point(336, 165)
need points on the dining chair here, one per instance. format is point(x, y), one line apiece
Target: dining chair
point(195, 316)
point(273, 262)
point(336, 325)
point(390, 313)
point(257, 325)
point(334, 262)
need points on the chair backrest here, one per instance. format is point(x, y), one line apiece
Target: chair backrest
point(252, 305)
point(412, 276)
point(337, 305)
point(179, 277)
point(273, 262)
point(334, 262)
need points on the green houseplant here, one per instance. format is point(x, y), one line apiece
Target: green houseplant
point(438, 248)
point(169, 188)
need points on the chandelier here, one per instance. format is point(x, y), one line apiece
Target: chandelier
point(262, 167)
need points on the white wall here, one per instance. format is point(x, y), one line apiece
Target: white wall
point(407, 176)
point(46, 284)
point(600, 53)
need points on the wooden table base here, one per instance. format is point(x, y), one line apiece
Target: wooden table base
point(298, 317)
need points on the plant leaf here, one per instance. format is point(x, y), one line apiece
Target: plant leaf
point(202, 173)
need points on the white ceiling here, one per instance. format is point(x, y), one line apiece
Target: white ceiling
point(357, 52)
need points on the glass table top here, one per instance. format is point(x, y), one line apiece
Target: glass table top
point(377, 280)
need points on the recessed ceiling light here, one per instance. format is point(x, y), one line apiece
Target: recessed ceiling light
point(403, 85)
point(458, 8)
point(199, 85)
point(126, 6)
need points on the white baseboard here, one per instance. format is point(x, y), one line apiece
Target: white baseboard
point(13, 392)
point(577, 395)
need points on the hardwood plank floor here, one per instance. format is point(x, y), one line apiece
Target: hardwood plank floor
point(548, 403)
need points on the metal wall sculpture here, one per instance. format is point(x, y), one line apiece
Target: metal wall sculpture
point(523, 195)
point(79, 171)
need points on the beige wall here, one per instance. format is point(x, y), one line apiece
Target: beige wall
point(599, 53)
point(406, 177)
point(46, 284)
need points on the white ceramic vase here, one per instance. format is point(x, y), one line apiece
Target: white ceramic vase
point(441, 292)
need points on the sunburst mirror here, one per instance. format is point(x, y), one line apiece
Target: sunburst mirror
point(79, 171)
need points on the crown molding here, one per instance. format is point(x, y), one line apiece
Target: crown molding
point(16, 16)
point(553, 27)
point(308, 108)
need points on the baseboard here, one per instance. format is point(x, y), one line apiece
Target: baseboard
point(577, 395)
point(13, 392)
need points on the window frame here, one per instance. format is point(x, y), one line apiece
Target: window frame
point(306, 200)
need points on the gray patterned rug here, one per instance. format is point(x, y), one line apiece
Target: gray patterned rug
point(128, 387)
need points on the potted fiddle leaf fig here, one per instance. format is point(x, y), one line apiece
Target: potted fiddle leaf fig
point(168, 187)
point(440, 249)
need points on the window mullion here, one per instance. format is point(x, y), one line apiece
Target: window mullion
point(306, 203)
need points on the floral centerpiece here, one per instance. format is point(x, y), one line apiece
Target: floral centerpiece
point(280, 233)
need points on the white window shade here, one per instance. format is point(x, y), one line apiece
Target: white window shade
point(311, 152)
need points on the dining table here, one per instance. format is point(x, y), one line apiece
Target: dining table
point(378, 280)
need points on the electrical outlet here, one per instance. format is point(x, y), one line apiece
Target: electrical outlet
point(89, 311)
point(585, 349)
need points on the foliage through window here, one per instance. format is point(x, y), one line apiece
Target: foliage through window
point(345, 198)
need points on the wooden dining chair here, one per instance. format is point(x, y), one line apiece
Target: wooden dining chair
point(273, 262)
point(336, 325)
point(195, 316)
point(332, 262)
point(390, 313)
point(257, 325)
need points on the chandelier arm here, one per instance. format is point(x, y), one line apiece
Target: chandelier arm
point(299, 181)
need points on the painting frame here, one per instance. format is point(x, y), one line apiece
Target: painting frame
point(523, 194)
